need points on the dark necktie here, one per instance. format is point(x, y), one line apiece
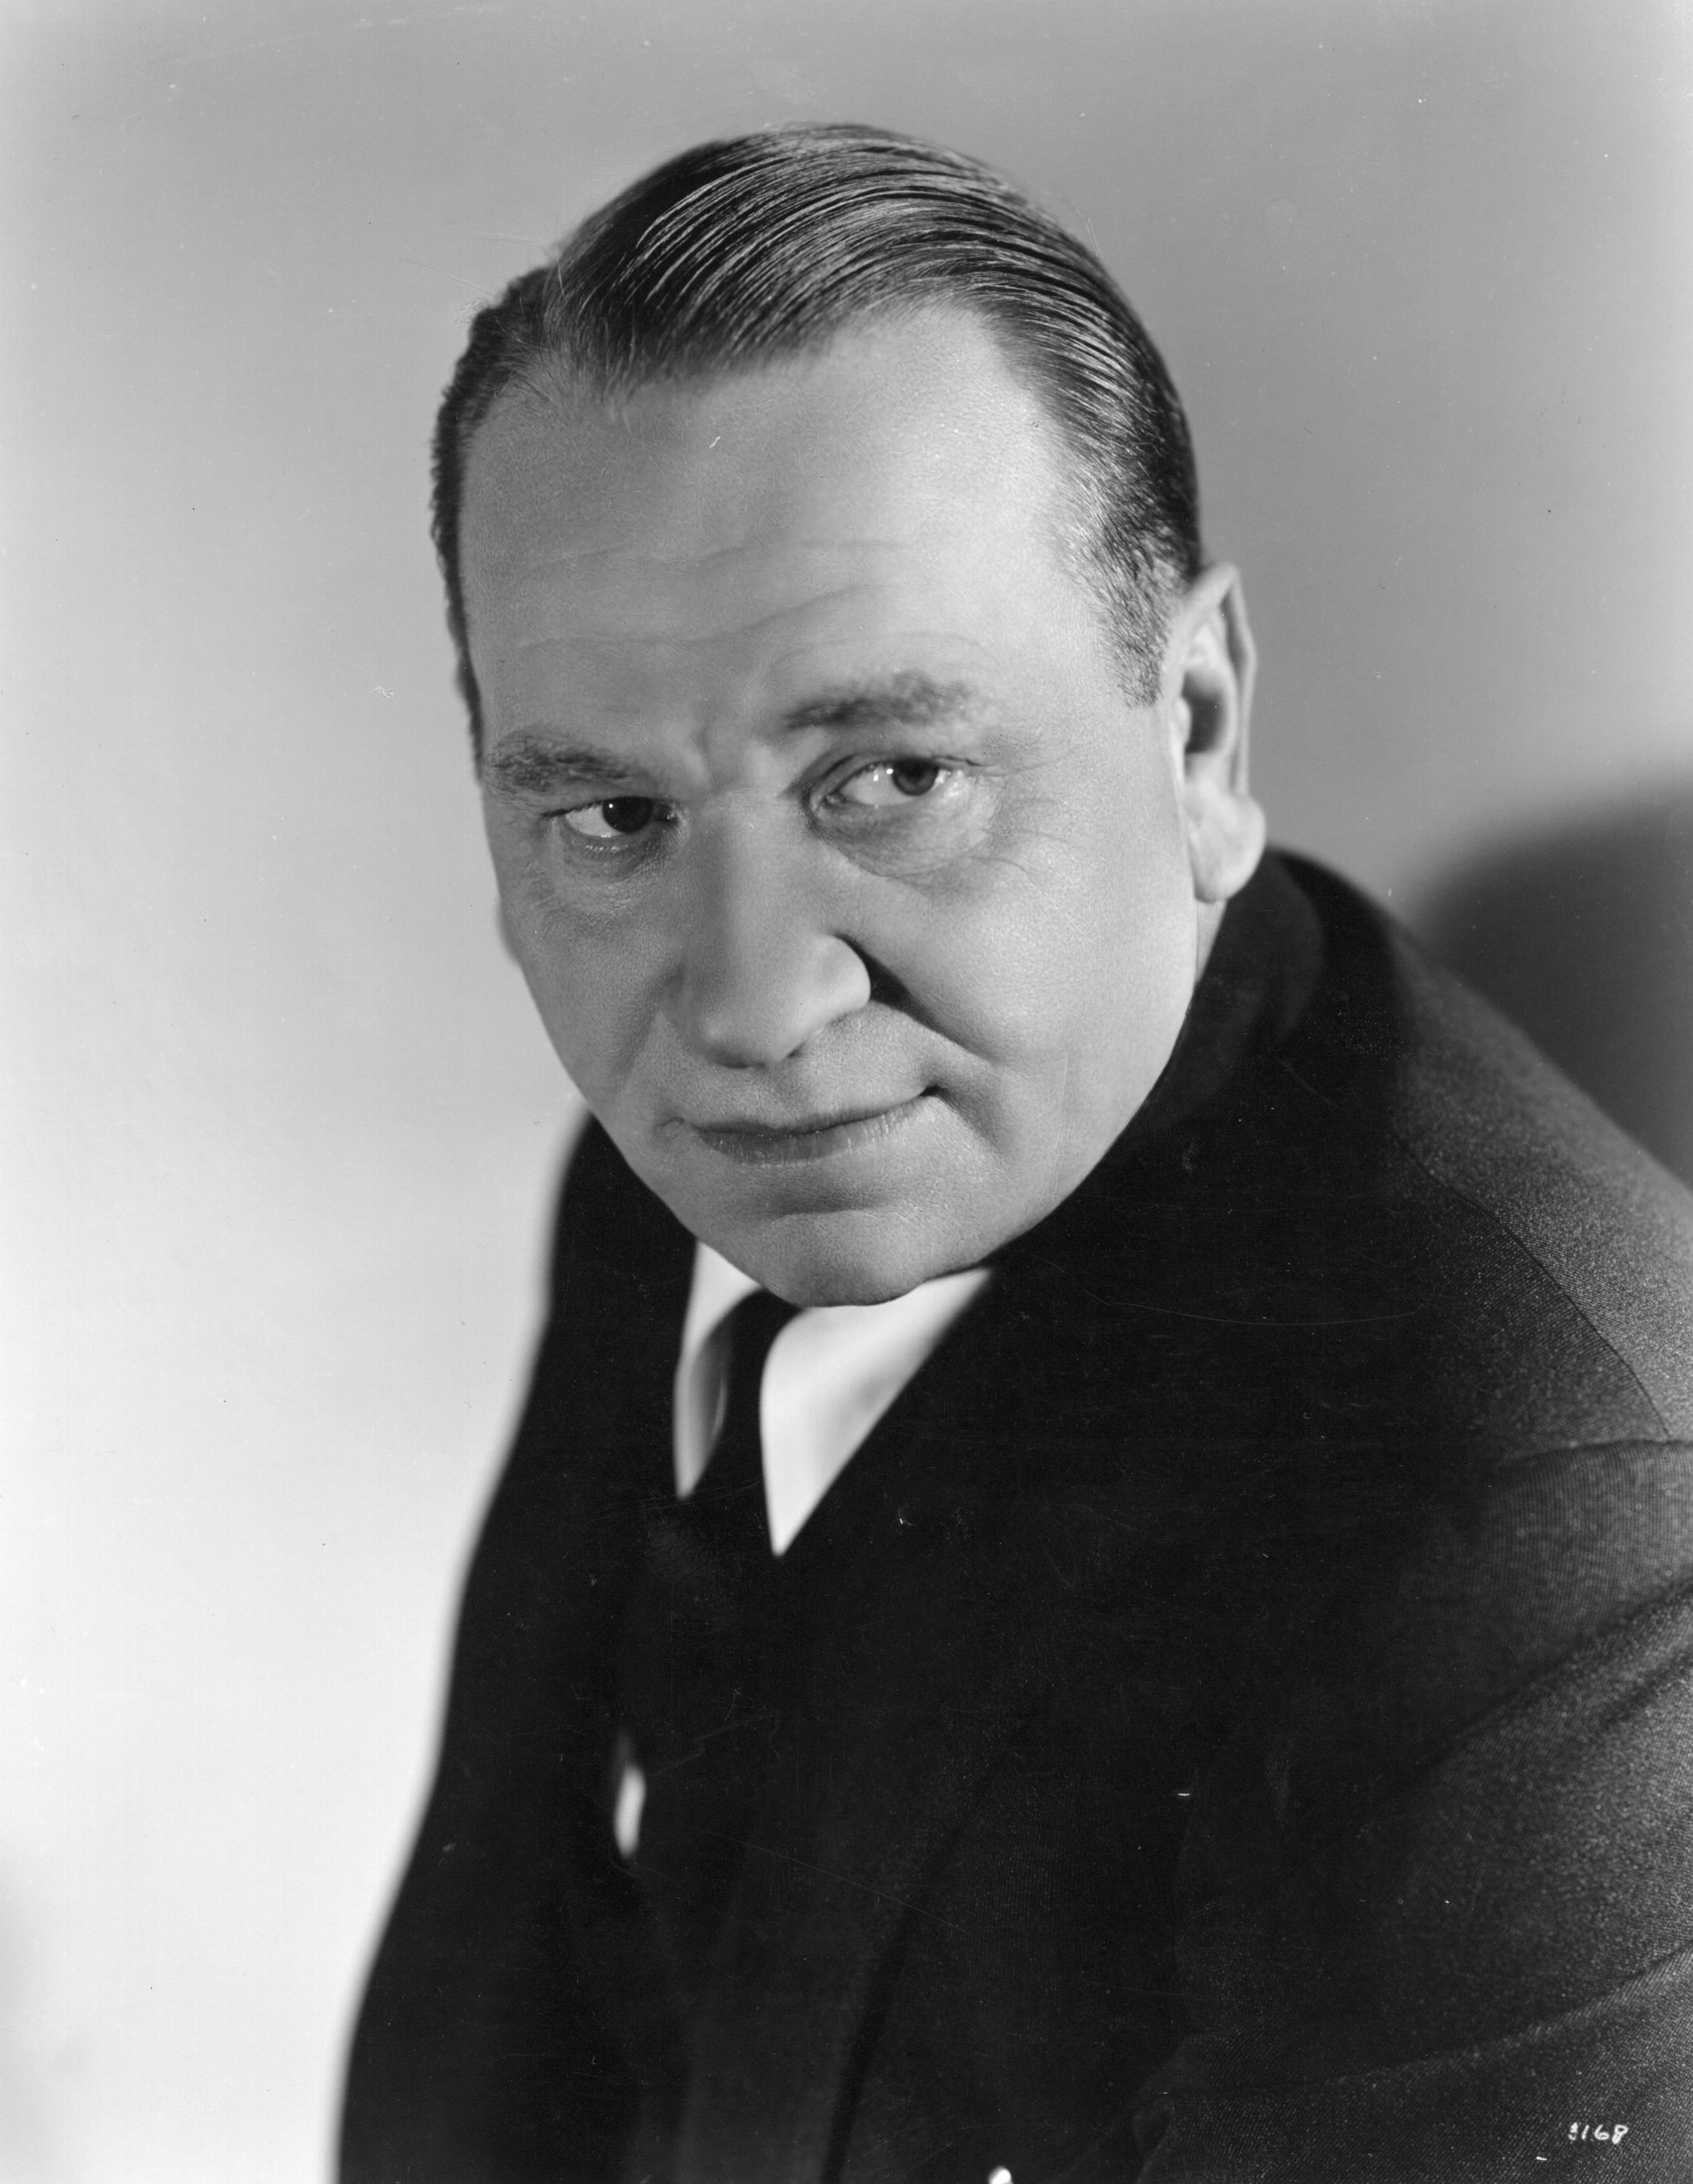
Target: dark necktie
point(726, 1511)
point(699, 1664)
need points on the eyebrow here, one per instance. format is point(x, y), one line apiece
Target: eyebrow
point(903, 701)
point(532, 763)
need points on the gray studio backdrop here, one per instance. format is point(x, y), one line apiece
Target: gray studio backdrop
point(279, 1128)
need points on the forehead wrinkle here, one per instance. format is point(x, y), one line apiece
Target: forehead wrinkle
point(686, 640)
point(615, 556)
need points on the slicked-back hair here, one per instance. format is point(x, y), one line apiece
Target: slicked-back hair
point(743, 253)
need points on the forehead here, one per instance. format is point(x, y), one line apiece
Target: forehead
point(908, 453)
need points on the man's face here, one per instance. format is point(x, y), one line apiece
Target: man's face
point(858, 900)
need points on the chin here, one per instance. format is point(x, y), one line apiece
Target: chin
point(845, 1258)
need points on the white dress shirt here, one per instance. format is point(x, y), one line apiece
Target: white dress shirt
point(831, 1374)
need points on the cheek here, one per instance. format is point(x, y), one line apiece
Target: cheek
point(1142, 983)
point(593, 985)
point(1082, 999)
point(1137, 966)
point(1073, 951)
point(588, 994)
point(596, 1008)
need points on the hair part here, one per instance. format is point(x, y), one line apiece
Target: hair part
point(743, 253)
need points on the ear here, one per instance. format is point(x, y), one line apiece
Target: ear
point(1209, 666)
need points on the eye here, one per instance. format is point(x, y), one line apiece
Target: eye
point(615, 817)
point(892, 781)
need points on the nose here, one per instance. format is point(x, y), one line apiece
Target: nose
point(762, 969)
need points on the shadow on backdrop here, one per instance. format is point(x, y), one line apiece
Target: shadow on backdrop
point(1583, 937)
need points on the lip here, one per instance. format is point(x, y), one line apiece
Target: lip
point(754, 1144)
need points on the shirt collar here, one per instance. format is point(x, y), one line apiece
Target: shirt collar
point(832, 1372)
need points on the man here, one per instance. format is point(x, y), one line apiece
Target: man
point(1171, 1662)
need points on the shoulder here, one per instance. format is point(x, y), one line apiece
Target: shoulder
point(1384, 1255)
point(1388, 1340)
point(1485, 1381)
point(1547, 1219)
point(592, 1437)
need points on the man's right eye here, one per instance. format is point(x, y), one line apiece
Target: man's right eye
point(616, 817)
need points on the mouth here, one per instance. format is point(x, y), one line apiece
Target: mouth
point(820, 1137)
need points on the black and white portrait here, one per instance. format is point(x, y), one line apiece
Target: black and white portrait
point(850, 1327)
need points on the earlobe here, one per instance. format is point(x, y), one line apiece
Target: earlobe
point(1213, 704)
point(1226, 835)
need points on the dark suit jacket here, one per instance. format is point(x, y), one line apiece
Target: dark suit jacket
point(1247, 1730)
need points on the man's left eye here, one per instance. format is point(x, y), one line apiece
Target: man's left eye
point(892, 781)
